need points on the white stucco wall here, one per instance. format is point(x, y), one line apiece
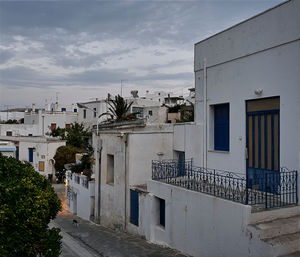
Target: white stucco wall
point(188, 138)
point(44, 120)
point(133, 151)
point(199, 224)
point(90, 120)
point(11, 115)
point(44, 150)
point(84, 197)
point(20, 129)
point(255, 54)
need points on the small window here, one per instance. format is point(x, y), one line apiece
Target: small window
point(221, 127)
point(110, 169)
point(9, 133)
point(84, 114)
point(41, 166)
point(53, 126)
point(162, 212)
point(17, 152)
point(150, 112)
point(75, 110)
point(68, 126)
point(95, 112)
point(134, 207)
point(30, 135)
point(63, 109)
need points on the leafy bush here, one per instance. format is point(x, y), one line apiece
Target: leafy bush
point(27, 204)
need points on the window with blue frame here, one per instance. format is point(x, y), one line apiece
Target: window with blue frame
point(75, 110)
point(84, 114)
point(63, 109)
point(134, 207)
point(221, 127)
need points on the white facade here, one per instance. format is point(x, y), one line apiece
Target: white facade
point(11, 115)
point(42, 152)
point(90, 116)
point(253, 55)
point(19, 130)
point(47, 119)
point(80, 195)
point(8, 148)
point(123, 158)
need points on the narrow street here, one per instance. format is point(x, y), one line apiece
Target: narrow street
point(88, 239)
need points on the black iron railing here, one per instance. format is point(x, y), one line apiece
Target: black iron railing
point(273, 189)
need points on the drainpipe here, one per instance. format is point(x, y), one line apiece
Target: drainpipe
point(99, 178)
point(125, 138)
point(205, 114)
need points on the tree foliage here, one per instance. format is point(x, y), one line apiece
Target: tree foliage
point(27, 204)
point(65, 155)
point(119, 109)
point(76, 135)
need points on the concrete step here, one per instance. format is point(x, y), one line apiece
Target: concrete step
point(295, 254)
point(285, 244)
point(278, 227)
point(270, 215)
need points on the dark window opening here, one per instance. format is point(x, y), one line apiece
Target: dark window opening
point(162, 212)
point(221, 127)
point(134, 207)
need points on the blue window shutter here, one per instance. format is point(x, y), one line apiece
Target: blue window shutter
point(221, 127)
point(134, 207)
point(30, 152)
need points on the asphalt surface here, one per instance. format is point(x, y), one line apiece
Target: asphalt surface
point(86, 239)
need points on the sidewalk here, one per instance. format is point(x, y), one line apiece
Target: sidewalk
point(89, 239)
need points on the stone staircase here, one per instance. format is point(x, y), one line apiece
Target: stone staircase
point(279, 230)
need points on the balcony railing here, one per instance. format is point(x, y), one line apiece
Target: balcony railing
point(273, 189)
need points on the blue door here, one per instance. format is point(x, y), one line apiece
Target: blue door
point(30, 153)
point(263, 144)
point(134, 207)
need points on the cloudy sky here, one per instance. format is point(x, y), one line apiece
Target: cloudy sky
point(83, 49)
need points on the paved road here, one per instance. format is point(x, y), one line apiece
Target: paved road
point(89, 239)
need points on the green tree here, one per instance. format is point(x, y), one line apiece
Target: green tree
point(59, 132)
point(65, 155)
point(76, 135)
point(119, 109)
point(27, 204)
point(187, 113)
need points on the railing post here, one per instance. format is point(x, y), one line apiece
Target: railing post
point(214, 182)
point(296, 186)
point(266, 193)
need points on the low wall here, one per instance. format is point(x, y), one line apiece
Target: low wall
point(199, 224)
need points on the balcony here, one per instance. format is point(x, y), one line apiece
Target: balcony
point(273, 189)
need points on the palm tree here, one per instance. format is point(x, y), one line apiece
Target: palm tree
point(119, 109)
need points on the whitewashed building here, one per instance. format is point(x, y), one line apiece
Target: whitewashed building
point(49, 120)
point(39, 151)
point(237, 165)
point(123, 154)
point(80, 195)
point(8, 149)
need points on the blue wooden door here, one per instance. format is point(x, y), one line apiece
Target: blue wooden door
point(134, 207)
point(30, 154)
point(263, 144)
